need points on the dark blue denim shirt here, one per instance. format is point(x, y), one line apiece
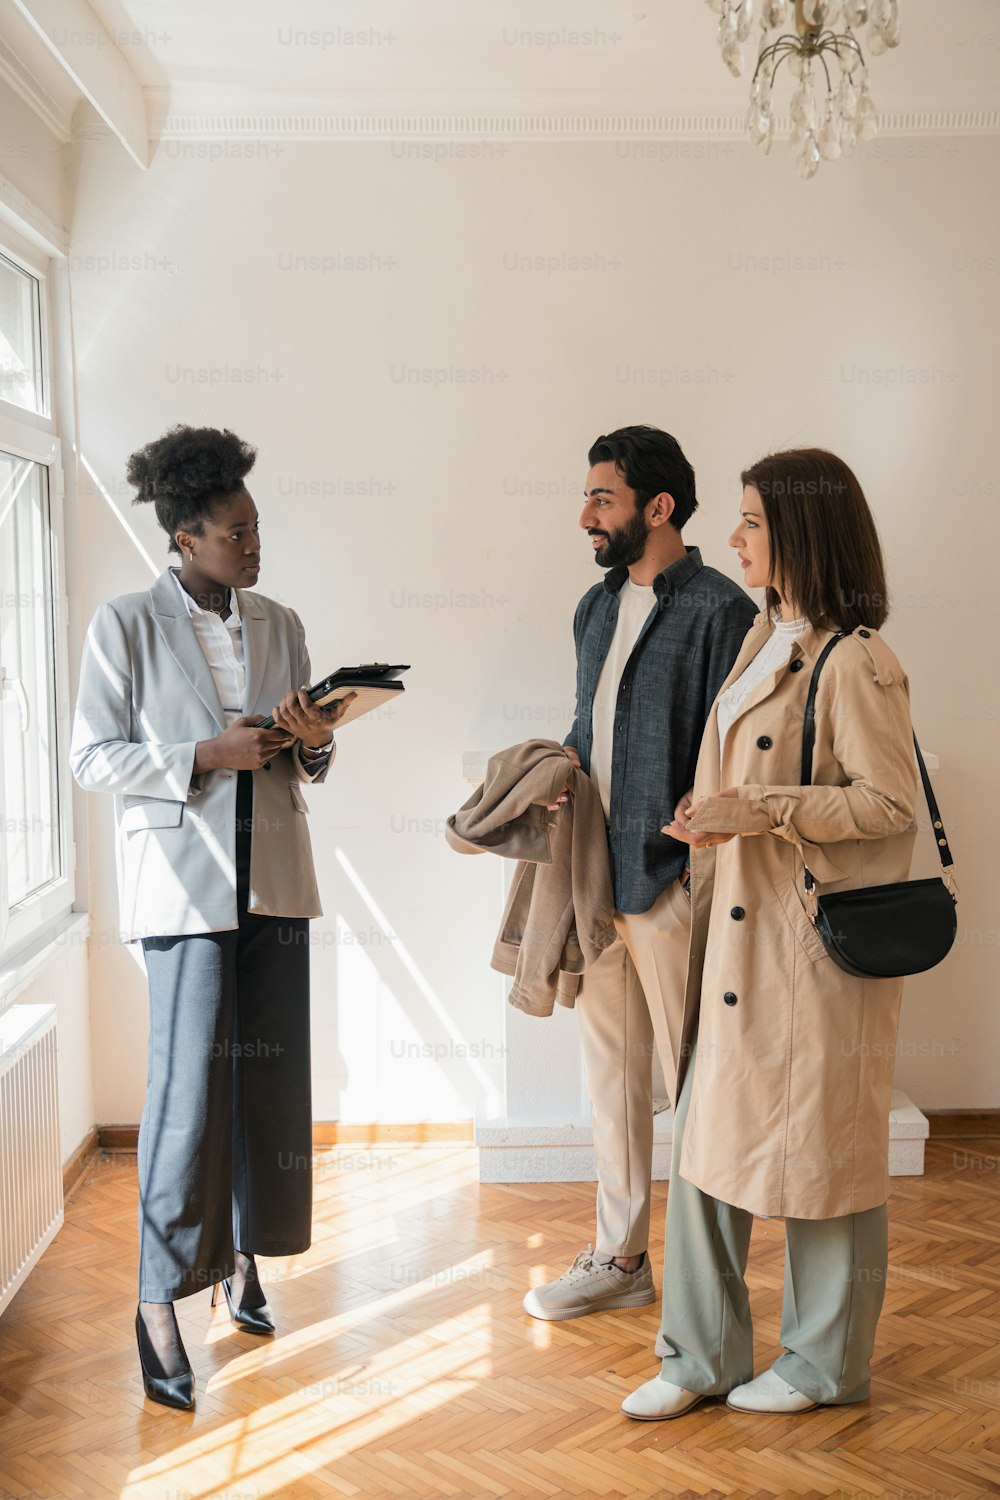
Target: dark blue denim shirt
point(683, 655)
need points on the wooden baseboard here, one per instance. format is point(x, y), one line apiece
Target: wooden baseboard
point(422, 1133)
point(74, 1167)
point(125, 1138)
point(949, 1124)
point(118, 1138)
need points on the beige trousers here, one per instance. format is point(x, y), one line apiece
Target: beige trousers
point(631, 1000)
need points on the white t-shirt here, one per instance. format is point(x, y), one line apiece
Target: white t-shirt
point(635, 601)
point(770, 657)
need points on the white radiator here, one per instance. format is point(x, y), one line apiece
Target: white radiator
point(31, 1199)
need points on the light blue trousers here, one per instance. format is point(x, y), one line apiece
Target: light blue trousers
point(835, 1271)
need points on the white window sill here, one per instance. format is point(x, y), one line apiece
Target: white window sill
point(17, 973)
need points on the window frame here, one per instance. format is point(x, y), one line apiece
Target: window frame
point(33, 436)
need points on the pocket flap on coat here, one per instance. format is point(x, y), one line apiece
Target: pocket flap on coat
point(151, 812)
point(298, 796)
point(809, 939)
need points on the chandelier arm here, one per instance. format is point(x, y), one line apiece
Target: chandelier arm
point(788, 37)
point(852, 43)
point(785, 55)
point(784, 45)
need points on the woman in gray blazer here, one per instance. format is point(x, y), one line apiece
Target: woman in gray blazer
point(216, 879)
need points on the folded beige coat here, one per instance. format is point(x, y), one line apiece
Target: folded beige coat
point(559, 915)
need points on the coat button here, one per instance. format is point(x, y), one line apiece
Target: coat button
point(865, 633)
point(729, 998)
point(796, 665)
point(737, 914)
point(266, 766)
point(765, 742)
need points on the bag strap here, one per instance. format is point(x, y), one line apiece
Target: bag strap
point(808, 743)
point(809, 720)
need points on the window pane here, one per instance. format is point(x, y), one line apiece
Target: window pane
point(20, 345)
point(30, 820)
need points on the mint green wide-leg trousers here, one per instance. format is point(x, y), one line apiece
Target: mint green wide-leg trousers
point(835, 1274)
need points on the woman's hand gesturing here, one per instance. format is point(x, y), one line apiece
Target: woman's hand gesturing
point(685, 810)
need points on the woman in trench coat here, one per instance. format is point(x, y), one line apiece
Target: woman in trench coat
point(786, 1068)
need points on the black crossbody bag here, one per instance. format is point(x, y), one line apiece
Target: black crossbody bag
point(883, 931)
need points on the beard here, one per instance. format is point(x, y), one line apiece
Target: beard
point(624, 546)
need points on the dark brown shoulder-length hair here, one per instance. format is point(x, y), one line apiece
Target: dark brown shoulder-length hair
point(825, 552)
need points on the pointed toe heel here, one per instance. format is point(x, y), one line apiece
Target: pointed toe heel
point(248, 1319)
point(167, 1390)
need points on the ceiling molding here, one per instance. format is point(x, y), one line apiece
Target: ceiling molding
point(28, 220)
point(16, 73)
point(90, 57)
point(291, 125)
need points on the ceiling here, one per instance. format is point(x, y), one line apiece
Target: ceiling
point(524, 67)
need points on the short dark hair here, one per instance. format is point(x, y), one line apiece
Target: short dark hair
point(825, 550)
point(650, 461)
point(184, 473)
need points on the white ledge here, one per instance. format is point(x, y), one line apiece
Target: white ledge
point(565, 1153)
point(17, 974)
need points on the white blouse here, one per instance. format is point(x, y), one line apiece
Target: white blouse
point(772, 656)
point(222, 644)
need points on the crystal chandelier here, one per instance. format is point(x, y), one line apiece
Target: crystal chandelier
point(831, 107)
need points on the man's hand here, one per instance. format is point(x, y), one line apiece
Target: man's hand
point(298, 716)
point(564, 796)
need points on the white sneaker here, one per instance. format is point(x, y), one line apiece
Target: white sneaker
point(769, 1393)
point(590, 1286)
point(659, 1400)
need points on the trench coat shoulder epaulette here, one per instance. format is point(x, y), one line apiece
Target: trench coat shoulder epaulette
point(865, 647)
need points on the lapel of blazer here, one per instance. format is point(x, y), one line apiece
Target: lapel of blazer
point(176, 627)
point(256, 642)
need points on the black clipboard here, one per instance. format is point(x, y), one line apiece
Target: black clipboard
point(375, 683)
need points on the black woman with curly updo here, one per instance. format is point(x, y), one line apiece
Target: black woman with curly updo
point(216, 880)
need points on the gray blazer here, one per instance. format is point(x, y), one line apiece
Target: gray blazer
point(146, 698)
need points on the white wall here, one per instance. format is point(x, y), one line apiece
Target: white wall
point(423, 421)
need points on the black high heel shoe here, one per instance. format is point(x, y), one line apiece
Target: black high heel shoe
point(169, 1390)
point(247, 1319)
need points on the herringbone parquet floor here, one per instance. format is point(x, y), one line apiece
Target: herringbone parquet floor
point(405, 1367)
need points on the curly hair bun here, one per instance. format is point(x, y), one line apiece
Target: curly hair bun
point(190, 462)
point(185, 471)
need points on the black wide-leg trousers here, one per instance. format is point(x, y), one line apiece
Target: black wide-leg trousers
point(225, 1144)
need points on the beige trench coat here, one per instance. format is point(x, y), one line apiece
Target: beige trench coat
point(789, 1113)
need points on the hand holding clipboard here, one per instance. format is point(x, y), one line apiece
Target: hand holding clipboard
point(371, 685)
